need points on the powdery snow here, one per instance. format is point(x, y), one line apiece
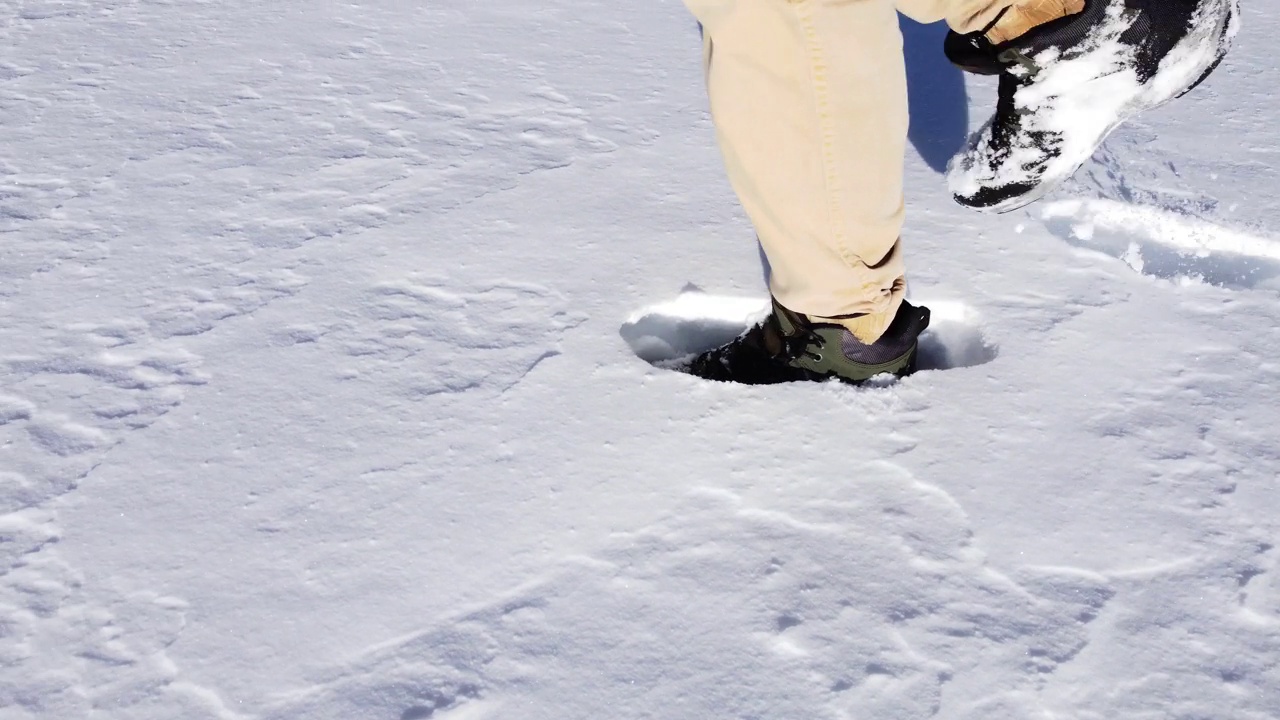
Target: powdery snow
point(324, 393)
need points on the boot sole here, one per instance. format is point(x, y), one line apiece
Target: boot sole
point(900, 367)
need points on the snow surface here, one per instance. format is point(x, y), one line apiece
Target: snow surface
point(318, 396)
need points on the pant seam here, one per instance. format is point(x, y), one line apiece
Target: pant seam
point(822, 106)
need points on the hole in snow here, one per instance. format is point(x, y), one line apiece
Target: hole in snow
point(955, 338)
point(695, 321)
point(689, 324)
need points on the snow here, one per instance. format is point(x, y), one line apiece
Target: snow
point(320, 396)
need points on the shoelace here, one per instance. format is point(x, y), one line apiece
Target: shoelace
point(1000, 61)
point(800, 344)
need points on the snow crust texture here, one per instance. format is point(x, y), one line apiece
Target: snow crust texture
point(324, 393)
point(869, 598)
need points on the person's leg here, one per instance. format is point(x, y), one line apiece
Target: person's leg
point(962, 15)
point(809, 103)
point(966, 16)
point(809, 100)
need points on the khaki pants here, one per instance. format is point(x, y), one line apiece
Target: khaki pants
point(809, 99)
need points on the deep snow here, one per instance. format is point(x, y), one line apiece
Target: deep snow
point(318, 396)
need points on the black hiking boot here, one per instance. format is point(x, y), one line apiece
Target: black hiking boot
point(788, 347)
point(1066, 84)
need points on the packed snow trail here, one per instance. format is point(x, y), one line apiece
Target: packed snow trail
point(318, 394)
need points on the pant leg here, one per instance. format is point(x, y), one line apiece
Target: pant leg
point(809, 103)
point(964, 16)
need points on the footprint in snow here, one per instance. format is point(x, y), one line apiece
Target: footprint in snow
point(1166, 244)
point(695, 321)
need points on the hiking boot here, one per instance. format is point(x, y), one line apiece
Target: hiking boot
point(1067, 82)
point(789, 347)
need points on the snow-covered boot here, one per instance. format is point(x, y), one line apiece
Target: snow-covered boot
point(1067, 83)
point(789, 347)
